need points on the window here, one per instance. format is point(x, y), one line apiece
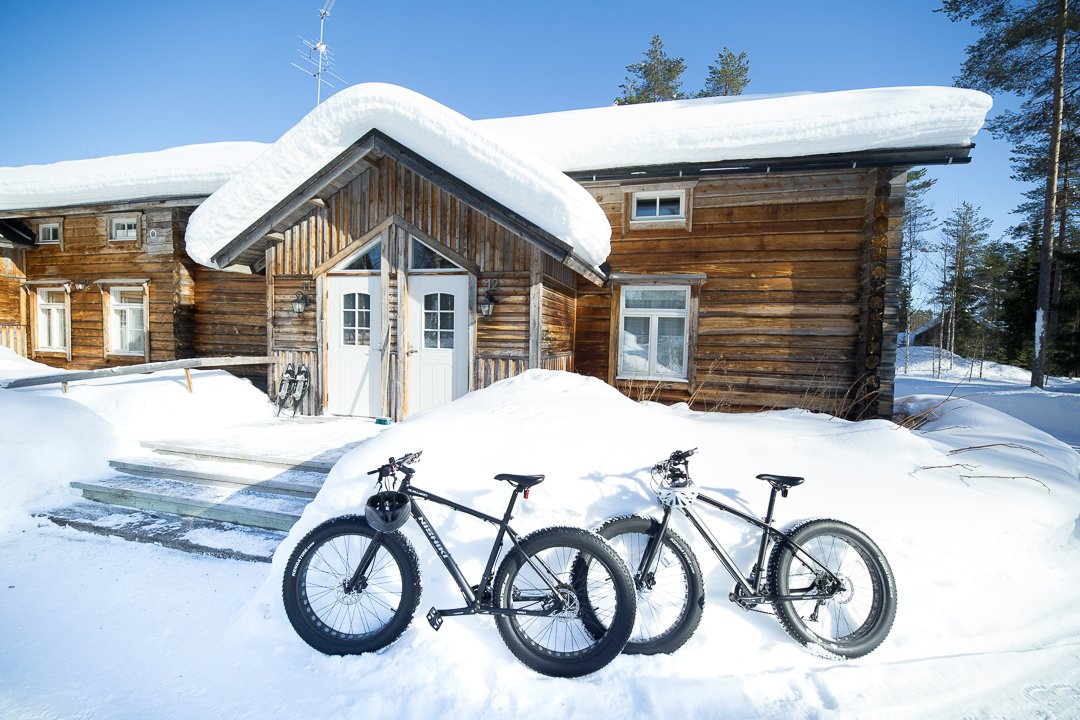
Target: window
point(48, 234)
point(439, 320)
point(51, 333)
point(421, 257)
point(658, 206)
point(356, 319)
point(127, 321)
point(653, 341)
point(123, 228)
point(369, 259)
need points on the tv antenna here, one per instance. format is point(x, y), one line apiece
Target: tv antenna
point(320, 56)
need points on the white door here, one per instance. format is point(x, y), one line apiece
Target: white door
point(438, 355)
point(354, 352)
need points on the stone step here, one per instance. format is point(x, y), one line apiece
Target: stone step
point(223, 473)
point(194, 535)
point(193, 451)
point(247, 506)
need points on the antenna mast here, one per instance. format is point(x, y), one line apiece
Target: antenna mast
point(319, 55)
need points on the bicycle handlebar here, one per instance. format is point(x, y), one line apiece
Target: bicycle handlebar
point(668, 468)
point(393, 464)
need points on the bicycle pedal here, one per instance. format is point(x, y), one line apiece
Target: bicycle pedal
point(434, 617)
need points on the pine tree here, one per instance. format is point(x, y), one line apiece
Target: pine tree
point(657, 77)
point(963, 235)
point(728, 76)
point(1028, 48)
point(918, 219)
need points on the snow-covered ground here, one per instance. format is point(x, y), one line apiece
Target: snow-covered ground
point(984, 543)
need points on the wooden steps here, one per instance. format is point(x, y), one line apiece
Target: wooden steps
point(170, 487)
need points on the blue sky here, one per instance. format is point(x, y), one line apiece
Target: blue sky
point(85, 79)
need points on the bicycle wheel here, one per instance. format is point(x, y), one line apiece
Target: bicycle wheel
point(333, 620)
point(670, 599)
point(859, 616)
point(544, 576)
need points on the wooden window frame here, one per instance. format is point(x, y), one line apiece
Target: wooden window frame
point(653, 314)
point(59, 225)
point(111, 228)
point(107, 330)
point(37, 309)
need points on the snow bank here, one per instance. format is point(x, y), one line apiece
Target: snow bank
point(190, 170)
point(1054, 410)
point(511, 176)
point(595, 447)
point(748, 127)
point(52, 438)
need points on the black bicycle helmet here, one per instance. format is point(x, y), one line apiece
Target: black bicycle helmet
point(387, 511)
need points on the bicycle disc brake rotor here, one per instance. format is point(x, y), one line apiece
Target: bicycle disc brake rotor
point(345, 597)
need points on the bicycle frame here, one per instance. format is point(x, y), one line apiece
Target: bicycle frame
point(473, 599)
point(750, 587)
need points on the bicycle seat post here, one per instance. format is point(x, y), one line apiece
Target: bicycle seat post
point(772, 505)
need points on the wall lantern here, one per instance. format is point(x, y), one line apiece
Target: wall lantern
point(81, 285)
point(487, 304)
point(299, 303)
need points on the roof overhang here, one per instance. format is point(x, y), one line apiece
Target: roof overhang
point(14, 234)
point(127, 205)
point(897, 157)
point(248, 247)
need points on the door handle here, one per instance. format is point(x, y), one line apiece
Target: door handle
point(412, 352)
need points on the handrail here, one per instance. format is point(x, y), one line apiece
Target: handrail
point(140, 369)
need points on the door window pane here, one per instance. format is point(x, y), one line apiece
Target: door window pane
point(439, 320)
point(356, 319)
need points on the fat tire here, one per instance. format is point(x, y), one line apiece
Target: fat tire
point(349, 534)
point(684, 572)
point(576, 556)
point(849, 633)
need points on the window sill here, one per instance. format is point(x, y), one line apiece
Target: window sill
point(654, 378)
point(124, 355)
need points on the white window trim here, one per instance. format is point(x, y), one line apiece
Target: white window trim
point(123, 218)
point(456, 270)
point(113, 320)
point(38, 308)
point(59, 233)
point(679, 219)
point(653, 314)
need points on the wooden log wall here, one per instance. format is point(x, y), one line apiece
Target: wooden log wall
point(407, 204)
point(12, 300)
point(780, 311)
point(229, 318)
point(87, 254)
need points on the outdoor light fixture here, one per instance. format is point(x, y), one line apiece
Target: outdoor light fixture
point(81, 285)
point(487, 304)
point(299, 303)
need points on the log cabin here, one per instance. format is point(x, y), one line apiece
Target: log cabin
point(733, 254)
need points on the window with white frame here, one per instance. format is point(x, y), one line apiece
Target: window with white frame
point(658, 206)
point(48, 233)
point(422, 257)
point(654, 327)
point(124, 228)
point(51, 332)
point(127, 321)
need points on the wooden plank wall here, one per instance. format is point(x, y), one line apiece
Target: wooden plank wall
point(779, 312)
point(87, 254)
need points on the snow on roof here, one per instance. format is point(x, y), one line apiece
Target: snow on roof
point(748, 127)
point(190, 170)
point(510, 175)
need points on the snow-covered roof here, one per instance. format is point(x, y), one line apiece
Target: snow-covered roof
point(187, 171)
point(509, 174)
point(748, 127)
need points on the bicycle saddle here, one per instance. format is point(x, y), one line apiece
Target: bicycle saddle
point(521, 481)
point(781, 481)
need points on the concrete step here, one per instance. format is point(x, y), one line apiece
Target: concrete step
point(248, 506)
point(279, 461)
point(223, 473)
point(194, 535)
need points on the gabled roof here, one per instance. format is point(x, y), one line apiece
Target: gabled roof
point(14, 234)
point(330, 137)
point(750, 127)
point(187, 171)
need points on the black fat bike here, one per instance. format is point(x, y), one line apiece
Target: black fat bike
point(562, 598)
point(827, 582)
